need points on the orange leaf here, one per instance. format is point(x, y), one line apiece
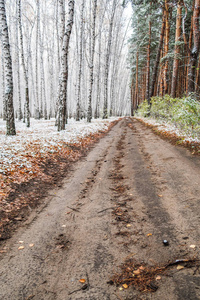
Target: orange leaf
point(82, 280)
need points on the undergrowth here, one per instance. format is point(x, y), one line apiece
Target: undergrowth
point(184, 113)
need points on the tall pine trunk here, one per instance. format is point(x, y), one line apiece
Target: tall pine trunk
point(155, 69)
point(148, 63)
point(177, 50)
point(195, 50)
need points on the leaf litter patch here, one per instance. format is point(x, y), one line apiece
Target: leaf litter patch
point(145, 278)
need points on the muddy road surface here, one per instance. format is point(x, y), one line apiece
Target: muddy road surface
point(132, 191)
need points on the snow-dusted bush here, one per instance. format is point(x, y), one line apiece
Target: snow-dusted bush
point(182, 112)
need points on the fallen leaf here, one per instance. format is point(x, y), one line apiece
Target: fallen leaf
point(158, 278)
point(192, 246)
point(21, 248)
point(82, 280)
point(125, 286)
point(3, 251)
point(179, 267)
point(136, 272)
point(31, 245)
point(149, 234)
point(141, 268)
point(128, 225)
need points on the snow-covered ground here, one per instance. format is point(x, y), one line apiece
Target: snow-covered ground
point(41, 139)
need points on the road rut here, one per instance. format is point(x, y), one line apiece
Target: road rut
point(131, 191)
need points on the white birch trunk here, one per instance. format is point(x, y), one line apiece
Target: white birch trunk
point(64, 66)
point(27, 109)
point(10, 121)
point(78, 105)
point(37, 109)
point(107, 63)
point(91, 66)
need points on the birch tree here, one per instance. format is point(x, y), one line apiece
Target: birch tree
point(64, 66)
point(107, 61)
point(27, 110)
point(78, 106)
point(10, 121)
point(91, 63)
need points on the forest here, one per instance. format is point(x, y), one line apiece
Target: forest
point(164, 53)
point(63, 59)
point(99, 149)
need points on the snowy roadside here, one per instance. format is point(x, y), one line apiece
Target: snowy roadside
point(169, 130)
point(19, 154)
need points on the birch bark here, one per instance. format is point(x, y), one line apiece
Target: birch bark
point(10, 121)
point(105, 108)
point(78, 106)
point(27, 110)
point(89, 112)
point(64, 66)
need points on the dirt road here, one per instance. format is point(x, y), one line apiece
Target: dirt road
point(132, 191)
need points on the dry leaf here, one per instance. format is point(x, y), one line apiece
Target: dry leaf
point(149, 234)
point(3, 251)
point(125, 286)
point(21, 247)
point(136, 272)
point(179, 267)
point(141, 268)
point(82, 280)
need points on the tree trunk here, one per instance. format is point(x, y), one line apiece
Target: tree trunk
point(3, 82)
point(148, 63)
point(155, 69)
point(10, 121)
point(166, 47)
point(96, 114)
point(64, 66)
point(105, 108)
point(136, 82)
point(37, 109)
point(89, 112)
point(78, 106)
point(177, 50)
point(195, 50)
point(23, 64)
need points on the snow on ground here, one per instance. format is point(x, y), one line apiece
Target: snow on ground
point(171, 128)
point(40, 139)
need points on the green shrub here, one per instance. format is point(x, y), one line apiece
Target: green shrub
point(184, 112)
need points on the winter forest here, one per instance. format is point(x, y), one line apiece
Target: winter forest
point(64, 59)
point(99, 149)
